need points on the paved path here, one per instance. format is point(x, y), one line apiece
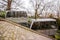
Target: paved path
point(9, 31)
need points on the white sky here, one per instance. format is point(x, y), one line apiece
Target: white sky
point(27, 5)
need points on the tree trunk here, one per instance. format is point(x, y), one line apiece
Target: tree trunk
point(9, 4)
point(36, 14)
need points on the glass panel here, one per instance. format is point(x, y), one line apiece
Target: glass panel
point(44, 25)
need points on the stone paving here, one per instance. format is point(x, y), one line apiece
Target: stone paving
point(9, 31)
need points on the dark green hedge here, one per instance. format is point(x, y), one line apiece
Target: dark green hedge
point(57, 35)
point(58, 23)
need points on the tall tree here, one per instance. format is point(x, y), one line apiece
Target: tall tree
point(37, 4)
point(58, 9)
point(9, 4)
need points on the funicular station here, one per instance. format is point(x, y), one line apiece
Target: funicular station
point(30, 27)
point(47, 26)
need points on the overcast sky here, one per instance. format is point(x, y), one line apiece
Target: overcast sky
point(28, 5)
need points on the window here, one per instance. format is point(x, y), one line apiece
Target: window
point(44, 25)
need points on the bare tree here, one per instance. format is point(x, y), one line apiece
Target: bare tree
point(9, 4)
point(37, 6)
point(3, 4)
point(58, 9)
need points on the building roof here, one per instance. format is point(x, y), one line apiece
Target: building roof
point(43, 19)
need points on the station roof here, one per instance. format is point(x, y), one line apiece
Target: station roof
point(43, 19)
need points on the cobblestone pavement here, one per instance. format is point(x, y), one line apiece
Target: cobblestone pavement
point(9, 31)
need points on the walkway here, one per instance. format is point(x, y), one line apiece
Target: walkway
point(9, 31)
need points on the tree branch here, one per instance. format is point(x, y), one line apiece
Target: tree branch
point(17, 3)
point(3, 3)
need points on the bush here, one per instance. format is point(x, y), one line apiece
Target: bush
point(57, 35)
point(29, 20)
point(2, 14)
point(50, 16)
point(58, 23)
